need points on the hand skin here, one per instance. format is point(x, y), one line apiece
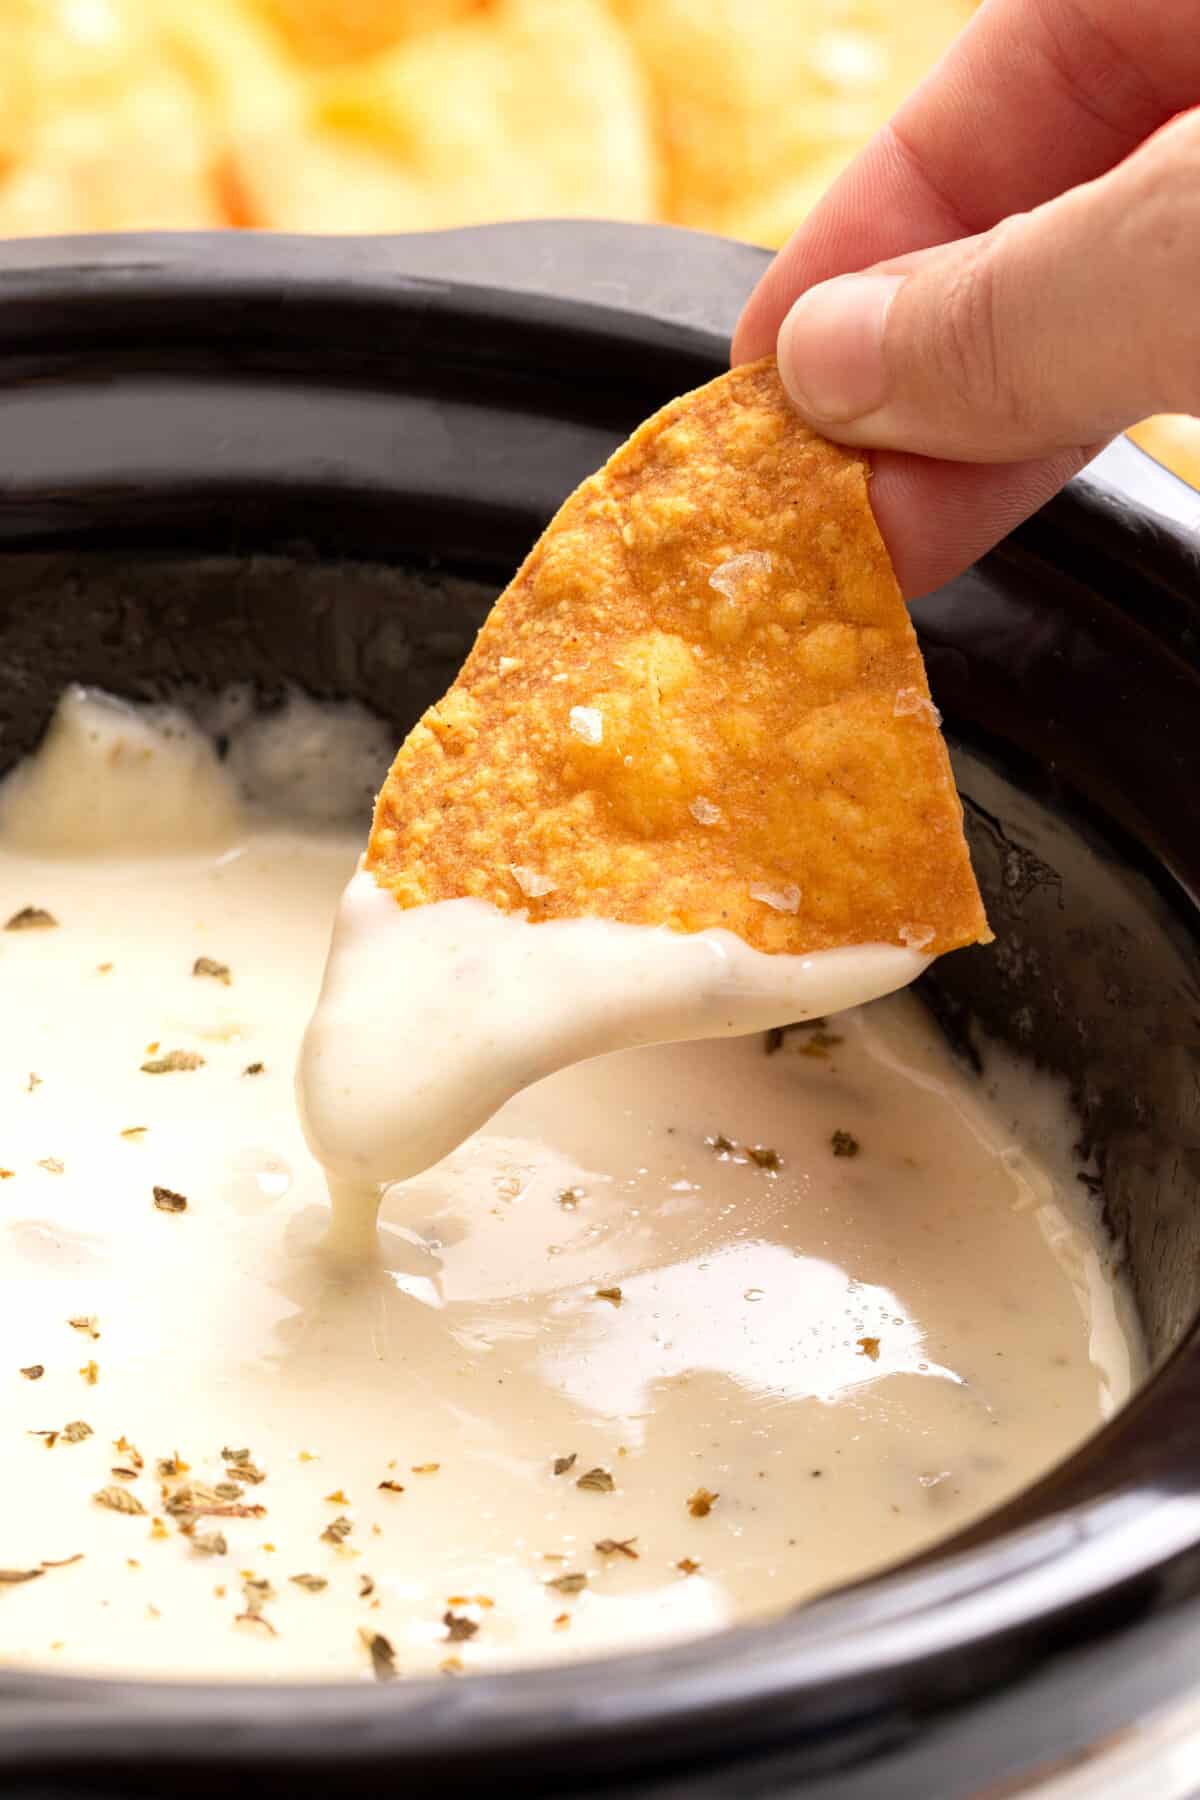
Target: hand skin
point(1030, 224)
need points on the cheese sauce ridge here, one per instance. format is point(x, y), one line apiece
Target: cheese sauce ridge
point(682, 1336)
point(474, 1004)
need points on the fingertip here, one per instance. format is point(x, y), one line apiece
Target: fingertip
point(753, 335)
point(937, 518)
point(780, 283)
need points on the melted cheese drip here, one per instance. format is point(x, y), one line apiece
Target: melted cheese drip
point(855, 1353)
point(430, 1018)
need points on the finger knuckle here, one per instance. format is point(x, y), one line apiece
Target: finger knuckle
point(975, 363)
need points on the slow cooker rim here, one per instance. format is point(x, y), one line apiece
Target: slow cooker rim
point(1129, 1519)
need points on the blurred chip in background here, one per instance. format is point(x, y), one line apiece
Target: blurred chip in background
point(521, 109)
point(370, 115)
point(731, 116)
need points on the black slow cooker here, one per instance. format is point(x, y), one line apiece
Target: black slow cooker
point(314, 462)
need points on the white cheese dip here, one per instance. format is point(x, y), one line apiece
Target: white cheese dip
point(761, 1366)
point(431, 1017)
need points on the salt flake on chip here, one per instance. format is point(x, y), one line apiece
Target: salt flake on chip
point(730, 578)
point(916, 937)
point(530, 882)
point(703, 811)
point(587, 723)
point(912, 700)
point(785, 900)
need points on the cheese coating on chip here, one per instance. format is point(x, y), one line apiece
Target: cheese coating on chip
point(699, 703)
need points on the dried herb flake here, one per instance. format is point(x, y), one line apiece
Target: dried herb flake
point(563, 1464)
point(383, 1657)
point(86, 1322)
point(617, 1547)
point(118, 1499)
point(312, 1584)
point(34, 1371)
point(173, 1061)
point(765, 1158)
point(611, 1294)
point(844, 1143)
point(217, 971)
point(458, 1627)
point(701, 1503)
point(168, 1201)
point(256, 1591)
point(338, 1530)
point(869, 1347)
point(32, 918)
point(574, 1583)
point(597, 1481)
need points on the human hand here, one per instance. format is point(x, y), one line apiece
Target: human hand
point(1029, 224)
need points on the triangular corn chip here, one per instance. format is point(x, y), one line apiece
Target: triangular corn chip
point(700, 702)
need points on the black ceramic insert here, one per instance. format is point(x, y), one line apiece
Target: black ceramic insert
point(289, 461)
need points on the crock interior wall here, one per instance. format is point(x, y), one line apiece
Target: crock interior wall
point(1094, 970)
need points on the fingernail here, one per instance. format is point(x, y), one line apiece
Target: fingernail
point(830, 348)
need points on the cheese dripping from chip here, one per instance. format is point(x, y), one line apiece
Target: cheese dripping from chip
point(680, 789)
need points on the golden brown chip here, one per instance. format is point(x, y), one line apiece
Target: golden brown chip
point(531, 108)
point(699, 703)
point(756, 98)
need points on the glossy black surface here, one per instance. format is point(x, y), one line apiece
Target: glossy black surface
point(265, 459)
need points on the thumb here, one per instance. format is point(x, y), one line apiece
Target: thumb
point(1058, 328)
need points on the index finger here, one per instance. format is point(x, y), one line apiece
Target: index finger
point(1033, 97)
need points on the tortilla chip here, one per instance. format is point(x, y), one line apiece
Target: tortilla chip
point(531, 109)
point(699, 703)
point(753, 96)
